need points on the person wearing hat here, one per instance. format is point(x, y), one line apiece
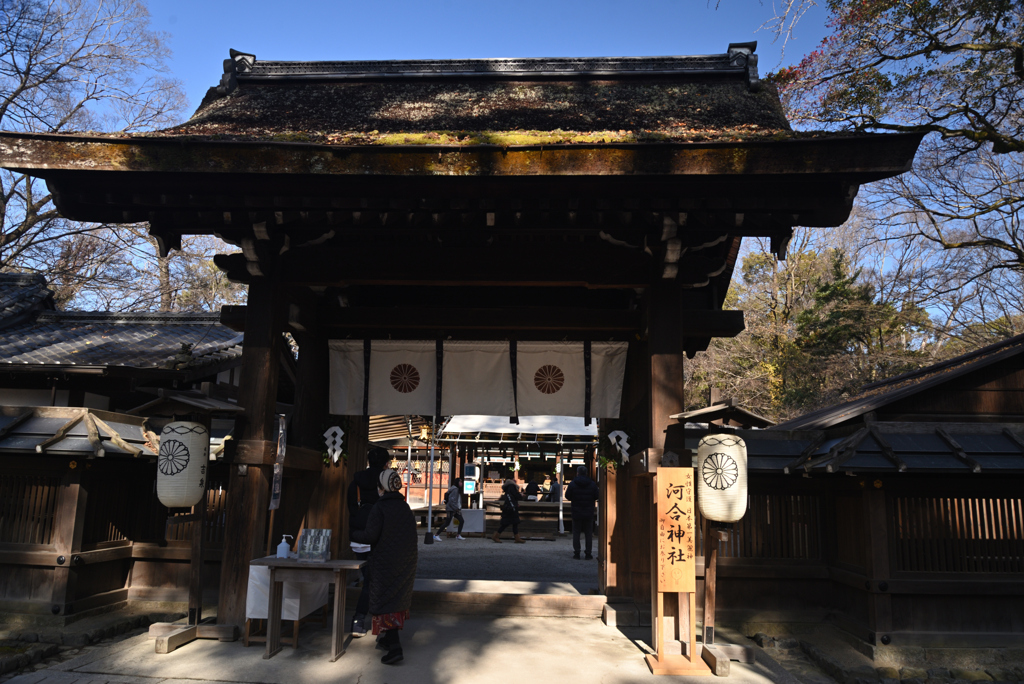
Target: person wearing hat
point(362, 494)
point(583, 493)
point(509, 512)
point(391, 531)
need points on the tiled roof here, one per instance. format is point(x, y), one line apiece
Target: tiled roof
point(962, 448)
point(882, 393)
point(39, 430)
point(20, 294)
point(136, 340)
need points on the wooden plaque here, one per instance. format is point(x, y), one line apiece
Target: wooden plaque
point(677, 571)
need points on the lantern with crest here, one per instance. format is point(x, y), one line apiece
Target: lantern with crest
point(182, 463)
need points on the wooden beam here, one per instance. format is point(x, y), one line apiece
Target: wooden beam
point(16, 422)
point(169, 642)
point(958, 450)
point(116, 438)
point(818, 440)
point(457, 318)
point(419, 262)
point(887, 449)
point(59, 435)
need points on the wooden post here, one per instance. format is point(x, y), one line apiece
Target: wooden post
point(195, 573)
point(879, 600)
point(67, 538)
point(249, 483)
point(710, 577)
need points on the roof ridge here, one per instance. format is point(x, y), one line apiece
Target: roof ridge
point(131, 316)
point(948, 363)
point(739, 59)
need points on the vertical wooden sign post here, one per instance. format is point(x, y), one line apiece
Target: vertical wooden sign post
point(677, 649)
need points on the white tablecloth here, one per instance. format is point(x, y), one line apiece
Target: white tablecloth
point(299, 598)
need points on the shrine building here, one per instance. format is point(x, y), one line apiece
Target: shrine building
point(547, 236)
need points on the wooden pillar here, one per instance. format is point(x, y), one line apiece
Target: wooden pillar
point(309, 421)
point(879, 599)
point(67, 539)
point(665, 335)
point(312, 388)
point(327, 504)
point(625, 527)
point(251, 474)
point(665, 349)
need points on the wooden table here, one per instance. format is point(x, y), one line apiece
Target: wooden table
point(290, 570)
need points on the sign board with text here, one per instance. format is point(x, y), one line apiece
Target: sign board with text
point(677, 570)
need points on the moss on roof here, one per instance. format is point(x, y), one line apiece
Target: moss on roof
point(500, 113)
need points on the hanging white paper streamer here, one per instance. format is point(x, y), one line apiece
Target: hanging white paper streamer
point(334, 440)
point(620, 440)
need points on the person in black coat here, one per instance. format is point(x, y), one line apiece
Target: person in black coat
point(391, 531)
point(532, 489)
point(362, 494)
point(583, 493)
point(509, 512)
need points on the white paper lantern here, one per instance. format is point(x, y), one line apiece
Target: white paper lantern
point(722, 477)
point(181, 465)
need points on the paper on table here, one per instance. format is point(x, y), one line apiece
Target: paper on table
point(299, 598)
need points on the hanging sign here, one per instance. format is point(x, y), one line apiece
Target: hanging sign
point(677, 570)
point(282, 437)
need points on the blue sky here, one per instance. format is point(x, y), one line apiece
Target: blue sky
point(201, 31)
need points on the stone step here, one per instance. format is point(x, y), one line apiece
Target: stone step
point(498, 598)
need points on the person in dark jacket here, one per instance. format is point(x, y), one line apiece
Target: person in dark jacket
point(583, 493)
point(509, 512)
point(391, 531)
point(532, 489)
point(362, 494)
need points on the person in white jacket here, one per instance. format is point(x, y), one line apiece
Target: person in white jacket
point(453, 507)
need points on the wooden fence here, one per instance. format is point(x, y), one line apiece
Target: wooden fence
point(975, 535)
point(28, 505)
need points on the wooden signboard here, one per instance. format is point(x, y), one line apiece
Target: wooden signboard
point(677, 569)
point(678, 652)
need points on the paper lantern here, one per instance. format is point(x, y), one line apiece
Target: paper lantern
point(181, 465)
point(722, 477)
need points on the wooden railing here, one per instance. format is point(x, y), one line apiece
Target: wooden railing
point(933, 534)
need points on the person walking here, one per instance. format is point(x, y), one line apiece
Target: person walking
point(509, 512)
point(583, 493)
point(391, 531)
point(362, 495)
point(453, 507)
